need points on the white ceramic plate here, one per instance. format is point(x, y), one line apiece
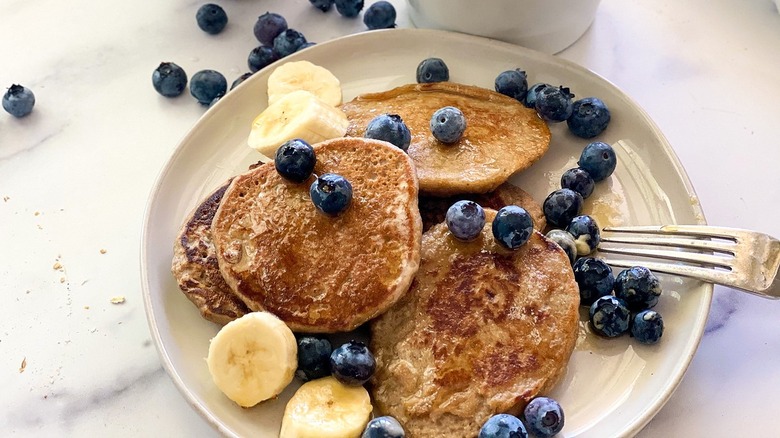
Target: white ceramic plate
point(612, 387)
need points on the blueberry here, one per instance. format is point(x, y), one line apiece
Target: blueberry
point(589, 117)
point(465, 220)
point(533, 93)
point(594, 278)
point(638, 287)
point(268, 27)
point(352, 363)
point(295, 160)
point(647, 327)
point(260, 57)
point(323, 5)
point(566, 241)
point(349, 8)
point(586, 234)
point(390, 128)
point(331, 193)
point(512, 83)
point(578, 180)
point(561, 206)
point(383, 427)
point(448, 124)
point(206, 85)
point(380, 15)
point(313, 358)
point(168, 79)
point(288, 42)
point(240, 79)
point(432, 70)
point(512, 226)
point(599, 160)
point(609, 316)
point(554, 103)
point(211, 18)
point(306, 45)
point(544, 417)
point(503, 426)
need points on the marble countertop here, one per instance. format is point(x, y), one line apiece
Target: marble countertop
point(76, 356)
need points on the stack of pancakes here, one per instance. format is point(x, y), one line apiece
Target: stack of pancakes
point(460, 330)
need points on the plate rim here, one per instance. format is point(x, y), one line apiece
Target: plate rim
point(634, 426)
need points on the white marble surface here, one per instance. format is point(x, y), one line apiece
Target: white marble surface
point(75, 175)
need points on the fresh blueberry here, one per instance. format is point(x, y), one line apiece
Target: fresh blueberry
point(268, 27)
point(169, 79)
point(448, 124)
point(313, 358)
point(288, 42)
point(432, 70)
point(533, 94)
point(647, 327)
point(380, 15)
point(578, 180)
point(544, 417)
point(465, 220)
point(383, 427)
point(211, 18)
point(323, 5)
point(206, 85)
point(638, 287)
point(260, 57)
point(589, 117)
point(599, 160)
point(240, 79)
point(594, 278)
point(554, 103)
point(349, 8)
point(566, 241)
point(512, 83)
point(352, 363)
point(295, 160)
point(609, 316)
point(331, 193)
point(390, 128)
point(561, 206)
point(306, 45)
point(586, 234)
point(512, 226)
point(503, 426)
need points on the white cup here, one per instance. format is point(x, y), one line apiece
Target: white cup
point(545, 25)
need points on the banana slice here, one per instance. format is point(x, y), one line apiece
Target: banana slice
point(299, 114)
point(303, 75)
point(325, 408)
point(253, 358)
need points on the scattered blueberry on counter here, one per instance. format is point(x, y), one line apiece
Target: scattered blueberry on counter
point(589, 118)
point(554, 103)
point(503, 426)
point(465, 220)
point(647, 327)
point(432, 70)
point(268, 26)
point(390, 128)
point(638, 287)
point(561, 206)
point(349, 8)
point(260, 57)
point(448, 124)
point(380, 15)
point(313, 358)
point(211, 18)
point(599, 160)
point(18, 100)
point(383, 427)
point(578, 180)
point(207, 85)
point(594, 278)
point(586, 234)
point(331, 193)
point(544, 417)
point(533, 93)
point(609, 316)
point(169, 79)
point(352, 363)
point(323, 5)
point(565, 240)
point(295, 160)
point(288, 42)
point(512, 226)
point(240, 79)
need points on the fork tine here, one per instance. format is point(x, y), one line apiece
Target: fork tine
point(705, 274)
point(706, 259)
point(704, 245)
point(683, 230)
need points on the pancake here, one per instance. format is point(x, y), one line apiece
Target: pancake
point(502, 135)
point(317, 273)
point(483, 330)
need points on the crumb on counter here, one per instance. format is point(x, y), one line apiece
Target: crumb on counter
point(118, 300)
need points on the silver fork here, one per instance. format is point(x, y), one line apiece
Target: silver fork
point(742, 259)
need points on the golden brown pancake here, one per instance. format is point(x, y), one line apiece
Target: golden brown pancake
point(502, 136)
point(315, 272)
point(482, 330)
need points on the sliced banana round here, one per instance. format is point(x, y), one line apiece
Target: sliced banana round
point(299, 114)
point(326, 408)
point(303, 75)
point(253, 358)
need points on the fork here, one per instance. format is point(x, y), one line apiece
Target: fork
point(741, 259)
